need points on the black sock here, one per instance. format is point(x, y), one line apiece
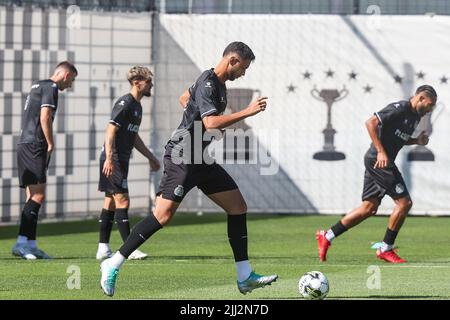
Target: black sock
point(28, 221)
point(106, 224)
point(338, 229)
point(140, 233)
point(389, 237)
point(237, 236)
point(122, 223)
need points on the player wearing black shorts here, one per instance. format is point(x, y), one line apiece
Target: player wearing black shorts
point(122, 135)
point(33, 153)
point(390, 129)
point(185, 168)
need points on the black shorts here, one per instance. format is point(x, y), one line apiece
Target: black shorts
point(179, 179)
point(31, 164)
point(379, 182)
point(117, 182)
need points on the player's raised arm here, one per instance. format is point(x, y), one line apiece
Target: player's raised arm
point(223, 121)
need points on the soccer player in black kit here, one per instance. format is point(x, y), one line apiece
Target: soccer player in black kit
point(122, 135)
point(34, 149)
point(390, 129)
point(185, 168)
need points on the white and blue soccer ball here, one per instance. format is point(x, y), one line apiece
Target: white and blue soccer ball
point(313, 285)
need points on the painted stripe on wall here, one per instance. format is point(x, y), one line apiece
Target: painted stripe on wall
point(7, 115)
point(6, 200)
point(44, 29)
point(15, 172)
point(61, 114)
point(92, 128)
point(53, 61)
point(43, 210)
point(69, 154)
point(9, 28)
point(1, 157)
point(18, 70)
point(62, 29)
point(52, 166)
point(71, 56)
point(35, 66)
point(59, 197)
point(2, 68)
point(26, 27)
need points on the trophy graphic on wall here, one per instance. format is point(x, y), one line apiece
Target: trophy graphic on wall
point(329, 96)
point(422, 153)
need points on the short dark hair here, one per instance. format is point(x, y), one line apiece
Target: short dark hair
point(428, 90)
point(68, 66)
point(241, 49)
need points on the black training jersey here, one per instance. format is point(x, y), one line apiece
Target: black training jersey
point(208, 96)
point(397, 123)
point(43, 94)
point(127, 116)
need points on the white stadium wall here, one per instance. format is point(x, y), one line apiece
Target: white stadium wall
point(295, 54)
point(330, 48)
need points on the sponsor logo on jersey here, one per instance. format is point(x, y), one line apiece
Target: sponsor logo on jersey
point(402, 135)
point(179, 191)
point(208, 84)
point(122, 103)
point(35, 86)
point(133, 128)
point(396, 105)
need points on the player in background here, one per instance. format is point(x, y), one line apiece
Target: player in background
point(389, 129)
point(34, 150)
point(185, 168)
point(122, 135)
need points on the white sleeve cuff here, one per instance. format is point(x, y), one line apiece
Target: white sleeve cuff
point(379, 119)
point(206, 113)
point(48, 105)
point(114, 123)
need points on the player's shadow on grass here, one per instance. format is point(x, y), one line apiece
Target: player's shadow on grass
point(91, 225)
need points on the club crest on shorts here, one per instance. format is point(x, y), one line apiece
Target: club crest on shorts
point(399, 188)
point(179, 191)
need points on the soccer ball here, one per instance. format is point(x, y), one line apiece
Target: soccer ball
point(313, 285)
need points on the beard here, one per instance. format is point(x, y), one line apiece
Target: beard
point(421, 111)
point(232, 76)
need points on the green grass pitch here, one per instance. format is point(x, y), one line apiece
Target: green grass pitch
point(191, 259)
